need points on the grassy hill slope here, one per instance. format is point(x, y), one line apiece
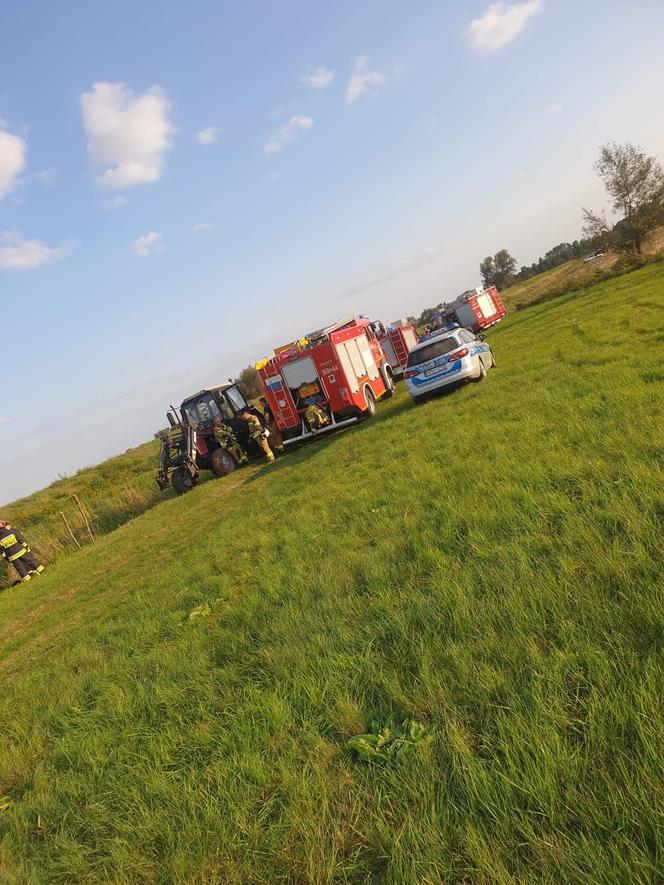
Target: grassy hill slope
point(573, 274)
point(111, 493)
point(175, 699)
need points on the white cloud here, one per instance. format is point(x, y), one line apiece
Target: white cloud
point(4, 420)
point(318, 79)
point(17, 253)
point(115, 202)
point(47, 176)
point(500, 24)
point(554, 108)
point(147, 244)
point(207, 136)
point(287, 133)
point(12, 160)
point(203, 226)
point(362, 79)
point(127, 133)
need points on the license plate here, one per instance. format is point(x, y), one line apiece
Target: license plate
point(434, 371)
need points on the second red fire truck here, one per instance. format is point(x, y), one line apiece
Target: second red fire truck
point(342, 368)
point(397, 341)
point(476, 309)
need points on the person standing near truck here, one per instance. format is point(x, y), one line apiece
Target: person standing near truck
point(226, 439)
point(15, 550)
point(276, 439)
point(256, 432)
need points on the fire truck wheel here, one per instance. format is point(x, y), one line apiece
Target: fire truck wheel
point(388, 380)
point(182, 481)
point(370, 401)
point(222, 462)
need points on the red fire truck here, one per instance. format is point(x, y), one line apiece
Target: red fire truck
point(397, 341)
point(476, 309)
point(341, 368)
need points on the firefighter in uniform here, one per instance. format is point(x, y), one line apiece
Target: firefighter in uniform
point(276, 439)
point(257, 433)
point(226, 439)
point(14, 549)
point(316, 417)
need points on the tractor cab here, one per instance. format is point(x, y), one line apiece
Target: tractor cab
point(191, 446)
point(200, 410)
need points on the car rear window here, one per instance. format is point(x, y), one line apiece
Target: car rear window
point(431, 351)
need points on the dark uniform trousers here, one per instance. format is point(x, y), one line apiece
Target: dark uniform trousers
point(16, 551)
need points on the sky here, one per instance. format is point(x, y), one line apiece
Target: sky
point(186, 185)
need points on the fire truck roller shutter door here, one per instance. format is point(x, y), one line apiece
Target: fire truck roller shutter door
point(367, 359)
point(347, 366)
point(486, 305)
point(389, 353)
point(357, 362)
point(410, 338)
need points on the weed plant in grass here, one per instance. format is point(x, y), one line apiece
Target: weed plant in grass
point(487, 565)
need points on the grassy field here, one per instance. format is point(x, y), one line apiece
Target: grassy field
point(176, 699)
point(111, 494)
point(574, 275)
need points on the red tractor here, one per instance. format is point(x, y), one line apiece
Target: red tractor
point(191, 446)
point(342, 369)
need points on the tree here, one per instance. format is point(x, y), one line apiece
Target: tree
point(635, 185)
point(487, 270)
point(499, 270)
point(249, 383)
point(504, 266)
point(596, 228)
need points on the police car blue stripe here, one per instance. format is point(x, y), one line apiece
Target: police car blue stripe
point(449, 370)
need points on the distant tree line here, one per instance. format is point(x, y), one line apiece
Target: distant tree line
point(635, 186)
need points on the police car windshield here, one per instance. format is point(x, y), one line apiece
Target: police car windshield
point(202, 411)
point(431, 351)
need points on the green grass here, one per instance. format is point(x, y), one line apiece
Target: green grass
point(488, 565)
point(111, 493)
point(575, 275)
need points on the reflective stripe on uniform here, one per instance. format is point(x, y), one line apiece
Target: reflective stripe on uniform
point(17, 555)
point(26, 578)
point(9, 541)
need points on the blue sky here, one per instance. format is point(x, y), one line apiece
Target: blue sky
point(243, 172)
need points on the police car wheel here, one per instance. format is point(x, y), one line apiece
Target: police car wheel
point(182, 481)
point(222, 462)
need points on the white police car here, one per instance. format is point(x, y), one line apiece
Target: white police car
point(446, 357)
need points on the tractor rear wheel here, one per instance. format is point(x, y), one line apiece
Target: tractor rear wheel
point(182, 481)
point(222, 462)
